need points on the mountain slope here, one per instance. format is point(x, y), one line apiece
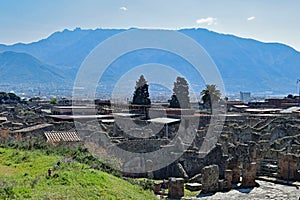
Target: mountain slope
point(22, 68)
point(66, 48)
point(245, 64)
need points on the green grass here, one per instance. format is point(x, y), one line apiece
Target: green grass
point(188, 193)
point(23, 174)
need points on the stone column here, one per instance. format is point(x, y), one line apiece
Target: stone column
point(286, 167)
point(149, 168)
point(228, 177)
point(234, 165)
point(249, 175)
point(236, 174)
point(176, 188)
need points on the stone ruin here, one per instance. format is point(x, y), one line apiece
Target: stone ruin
point(248, 147)
point(210, 178)
point(245, 150)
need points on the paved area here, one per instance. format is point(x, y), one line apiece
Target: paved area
point(267, 190)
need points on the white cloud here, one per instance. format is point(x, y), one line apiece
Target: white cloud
point(123, 8)
point(209, 21)
point(251, 18)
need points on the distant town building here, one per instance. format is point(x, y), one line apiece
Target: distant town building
point(245, 96)
point(284, 102)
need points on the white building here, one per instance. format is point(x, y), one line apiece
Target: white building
point(245, 96)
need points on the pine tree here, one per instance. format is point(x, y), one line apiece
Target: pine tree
point(141, 93)
point(180, 97)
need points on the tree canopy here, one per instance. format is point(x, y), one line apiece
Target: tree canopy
point(210, 95)
point(9, 97)
point(180, 97)
point(141, 94)
point(54, 101)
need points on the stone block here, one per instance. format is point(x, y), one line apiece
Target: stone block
point(210, 178)
point(176, 188)
point(182, 172)
point(193, 186)
point(196, 179)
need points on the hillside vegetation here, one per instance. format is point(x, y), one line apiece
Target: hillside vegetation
point(23, 174)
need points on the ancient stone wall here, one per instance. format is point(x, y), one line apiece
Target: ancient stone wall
point(143, 146)
point(289, 167)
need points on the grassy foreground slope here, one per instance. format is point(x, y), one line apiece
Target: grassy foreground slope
point(23, 174)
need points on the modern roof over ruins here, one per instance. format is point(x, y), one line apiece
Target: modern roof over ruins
point(164, 120)
point(64, 136)
point(69, 117)
point(126, 114)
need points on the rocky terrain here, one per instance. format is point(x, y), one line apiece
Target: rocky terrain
point(266, 190)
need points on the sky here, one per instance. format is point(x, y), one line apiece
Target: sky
point(264, 20)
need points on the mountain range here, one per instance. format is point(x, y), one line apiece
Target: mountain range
point(18, 68)
point(244, 64)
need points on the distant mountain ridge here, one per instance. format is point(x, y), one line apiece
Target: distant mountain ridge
point(245, 64)
point(18, 68)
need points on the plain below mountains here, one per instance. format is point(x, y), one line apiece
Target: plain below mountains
point(244, 64)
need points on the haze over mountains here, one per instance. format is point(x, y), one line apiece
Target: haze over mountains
point(244, 64)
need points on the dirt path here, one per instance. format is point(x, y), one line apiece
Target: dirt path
point(267, 190)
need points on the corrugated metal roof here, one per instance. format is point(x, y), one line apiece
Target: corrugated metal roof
point(290, 110)
point(107, 120)
point(240, 106)
point(263, 110)
point(68, 117)
point(74, 107)
point(64, 136)
point(126, 114)
point(164, 120)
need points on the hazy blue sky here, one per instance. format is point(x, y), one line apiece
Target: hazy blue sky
point(264, 20)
